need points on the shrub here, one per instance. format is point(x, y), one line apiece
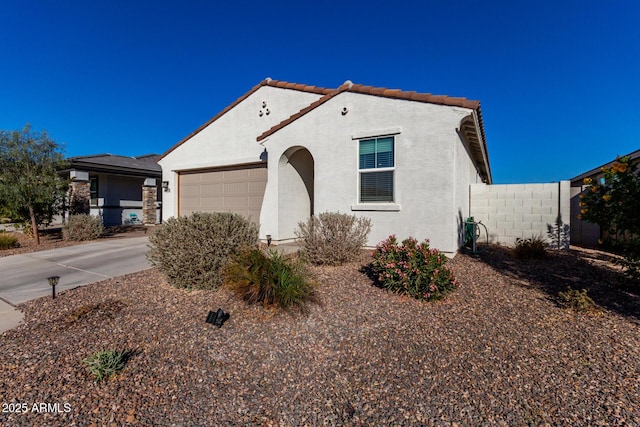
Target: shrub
point(270, 279)
point(631, 262)
point(333, 238)
point(192, 251)
point(533, 247)
point(576, 300)
point(102, 364)
point(8, 241)
point(82, 227)
point(413, 269)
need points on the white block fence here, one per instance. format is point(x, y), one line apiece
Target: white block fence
point(511, 211)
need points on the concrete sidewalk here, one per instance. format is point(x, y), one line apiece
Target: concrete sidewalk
point(24, 277)
point(10, 317)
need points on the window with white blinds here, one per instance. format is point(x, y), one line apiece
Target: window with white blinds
point(376, 169)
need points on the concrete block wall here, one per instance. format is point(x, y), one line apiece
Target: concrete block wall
point(511, 211)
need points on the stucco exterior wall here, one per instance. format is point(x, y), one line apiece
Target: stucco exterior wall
point(511, 211)
point(231, 139)
point(428, 186)
point(463, 173)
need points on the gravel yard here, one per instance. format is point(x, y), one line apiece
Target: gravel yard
point(498, 351)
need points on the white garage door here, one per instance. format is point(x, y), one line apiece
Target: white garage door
point(234, 189)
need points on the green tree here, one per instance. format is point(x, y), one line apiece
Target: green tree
point(615, 205)
point(30, 186)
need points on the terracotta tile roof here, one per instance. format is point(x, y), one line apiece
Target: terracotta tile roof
point(479, 144)
point(265, 82)
point(375, 91)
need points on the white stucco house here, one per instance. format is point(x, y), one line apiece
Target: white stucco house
point(285, 151)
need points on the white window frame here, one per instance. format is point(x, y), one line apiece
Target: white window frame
point(376, 206)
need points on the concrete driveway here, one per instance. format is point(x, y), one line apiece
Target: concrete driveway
point(24, 277)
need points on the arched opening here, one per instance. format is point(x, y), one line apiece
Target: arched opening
point(295, 189)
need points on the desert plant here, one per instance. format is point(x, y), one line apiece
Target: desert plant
point(576, 300)
point(332, 238)
point(8, 241)
point(104, 363)
point(192, 251)
point(530, 248)
point(559, 234)
point(82, 227)
point(413, 269)
point(271, 279)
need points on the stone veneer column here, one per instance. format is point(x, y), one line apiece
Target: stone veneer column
point(149, 197)
point(79, 197)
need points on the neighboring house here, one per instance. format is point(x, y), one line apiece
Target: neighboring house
point(120, 189)
point(285, 151)
point(583, 232)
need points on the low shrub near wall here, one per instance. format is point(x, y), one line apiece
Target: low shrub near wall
point(412, 268)
point(530, 248)
point(333, 238)
point(82, 227)
point(192, 251)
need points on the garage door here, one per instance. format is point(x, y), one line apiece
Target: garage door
point(234, 189)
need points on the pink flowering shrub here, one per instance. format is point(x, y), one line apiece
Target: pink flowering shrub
point(412, 268)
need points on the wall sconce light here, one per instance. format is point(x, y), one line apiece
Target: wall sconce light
point(344, 111)
point(264, 156)
point(165, 185)
point(268, 240)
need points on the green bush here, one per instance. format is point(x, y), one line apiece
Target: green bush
point(333, 238)
point(412, 269)
point(82, 227)
point(102, 364)
point(576, 300)
point(533, 247)
point(192, 251)
point(270, 279)
point(8, 241)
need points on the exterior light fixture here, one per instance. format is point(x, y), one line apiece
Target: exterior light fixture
point(165, 185)
point(53, 281)
point(268, 240)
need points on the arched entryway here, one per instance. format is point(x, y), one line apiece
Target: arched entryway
point(295, 189)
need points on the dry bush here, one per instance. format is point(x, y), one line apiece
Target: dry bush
point(192, 251)
point(576, 300)
point(531, 248)
point(333, 238)
point(82, 227)
point(8, 241)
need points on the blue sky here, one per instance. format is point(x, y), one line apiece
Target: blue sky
point(559, 82)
